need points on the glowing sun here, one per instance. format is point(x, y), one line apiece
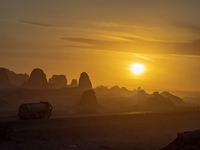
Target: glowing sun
point(137, 68)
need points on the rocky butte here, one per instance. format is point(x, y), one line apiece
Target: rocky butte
point(4, 81)
point(58, 81)
point(84, 81)
point(37, 79)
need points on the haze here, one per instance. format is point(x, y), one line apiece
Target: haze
point(103, 38)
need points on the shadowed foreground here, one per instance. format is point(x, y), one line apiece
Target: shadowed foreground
point(135, 132)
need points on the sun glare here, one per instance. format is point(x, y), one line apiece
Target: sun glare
point(137, 68)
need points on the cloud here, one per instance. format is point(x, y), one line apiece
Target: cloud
point(36, 23)
point(140, 46)
point(115, 25)
point(143, 57)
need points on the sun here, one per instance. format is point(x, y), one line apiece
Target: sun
point(137, 68)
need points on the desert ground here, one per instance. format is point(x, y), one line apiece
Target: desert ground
point(147, 131)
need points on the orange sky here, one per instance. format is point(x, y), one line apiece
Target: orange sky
point(104, 38)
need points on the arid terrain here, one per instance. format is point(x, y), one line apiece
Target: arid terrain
point(148, 131)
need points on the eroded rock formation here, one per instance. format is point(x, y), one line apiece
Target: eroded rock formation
point(37, 79)
point(84, 81)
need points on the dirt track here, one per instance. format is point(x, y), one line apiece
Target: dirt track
point(134, 131)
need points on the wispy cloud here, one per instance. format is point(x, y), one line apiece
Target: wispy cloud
point(143, 57)
point(36, 23)
point(139, 47)
point(115, 25)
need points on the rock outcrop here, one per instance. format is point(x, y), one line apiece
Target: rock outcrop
point(185, 141)
point(17, 79)
point(84, 81)
point(37, 79)
point(88, 104)
point(175, 99)
point(4, 80)
point(74, 83)
point(88, 97)
point(157, 102)
point(58, 81)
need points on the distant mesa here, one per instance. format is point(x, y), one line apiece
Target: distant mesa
point(88, 104)
point(4, 80)
point(88, 97)
point(152, 102)
point(185, 141)
point(74, 83)
point(157, 102)
point(115, 88)
point(84, 81)
point(37, 79)
point(175, 99)
point(58, 81)
point(17, 79)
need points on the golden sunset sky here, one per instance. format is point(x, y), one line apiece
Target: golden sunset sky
point(103, 38)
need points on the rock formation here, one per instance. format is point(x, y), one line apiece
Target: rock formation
point(74, 83)
point(4, 80)
point(88, 97)
point(84, 81)
point(175, 99)
point(58, 81)
point(37, 79)
point(158, 102)
point(17, 79)
point(88, 104)
point(185, 141)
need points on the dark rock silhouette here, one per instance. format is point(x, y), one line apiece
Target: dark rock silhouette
point(115, 88)
point(74, 83)
point(88, 104)
point(175, 99)
point(4, 81)
point(17, 79)
point(84, 81)
point(140, 97)
point(37, 79)
point(88, 97)
point(58, 81)
point(185, 141)
point(158, 102)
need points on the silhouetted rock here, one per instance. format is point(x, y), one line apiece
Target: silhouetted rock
point(17, 79)
point(88, 104)
point(84, 81)
point(157, 102)
point(175, 99)
point(88, 97)
point(58, 81)
point(37, 79)
point(115, 88)
point(74, 83)
point(185, 141)
point(4, 81)
point(140, 97)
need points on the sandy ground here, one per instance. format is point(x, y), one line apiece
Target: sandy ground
point(130, 131)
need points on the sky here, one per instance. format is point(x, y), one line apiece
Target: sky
point(103, 38)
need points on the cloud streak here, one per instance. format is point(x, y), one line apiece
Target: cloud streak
point(36, 23)
point(140, 46)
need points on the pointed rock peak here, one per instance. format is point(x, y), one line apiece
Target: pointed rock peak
point(141, 92)
point(74, 83)
point(84, 81)
point(4, 80)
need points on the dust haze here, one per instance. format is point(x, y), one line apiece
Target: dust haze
point(41, 113)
